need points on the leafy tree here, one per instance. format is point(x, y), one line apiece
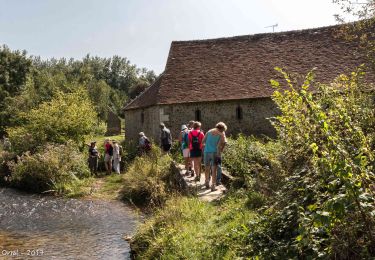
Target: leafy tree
point(14, 67)
point(68, 116)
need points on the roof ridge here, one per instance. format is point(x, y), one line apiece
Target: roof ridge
point(259, 35)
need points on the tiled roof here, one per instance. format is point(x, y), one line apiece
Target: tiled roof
point(241, 67)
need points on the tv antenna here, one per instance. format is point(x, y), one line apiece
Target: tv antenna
point(273, 27)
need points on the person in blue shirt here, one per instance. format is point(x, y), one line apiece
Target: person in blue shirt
point(213, 143)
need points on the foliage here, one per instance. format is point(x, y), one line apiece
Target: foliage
point(26, 82)
point(187, 228)
point(326, 207)
point(51, 168)
point(176, 152)
point(148, 180)
point(66, 117)
point(257, 163)
point(14, 68)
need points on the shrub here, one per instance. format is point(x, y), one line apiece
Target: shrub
point(257, 163)
point(149, 181)
point(326, 207)
point(50, 168)
point(5, 158)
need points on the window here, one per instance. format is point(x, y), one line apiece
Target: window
point(239, 113)
point(142, 117)
point(197, 115)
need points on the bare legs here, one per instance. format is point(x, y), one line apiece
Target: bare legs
point(207, 176)
point(197, 161)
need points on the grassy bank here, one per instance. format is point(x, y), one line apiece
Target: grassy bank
point(187, 228)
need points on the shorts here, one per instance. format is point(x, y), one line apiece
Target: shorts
point(186, 153)
point(210, 159)
point(107, 158)
point(195, 153)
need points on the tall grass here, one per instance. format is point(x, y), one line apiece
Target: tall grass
point(188, 228)
point(148, 180)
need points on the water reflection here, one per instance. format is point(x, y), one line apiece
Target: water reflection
point(36, 227)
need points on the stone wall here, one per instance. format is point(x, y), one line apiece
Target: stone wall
point(254, 116)
point(253, 120)
point(148, 123)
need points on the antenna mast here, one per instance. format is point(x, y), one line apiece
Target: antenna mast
point(273, 27)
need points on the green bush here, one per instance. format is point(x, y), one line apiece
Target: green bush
point(148, 180)
point(257, 163)
point(51, 168)
point(5, 158)
point(325, 208)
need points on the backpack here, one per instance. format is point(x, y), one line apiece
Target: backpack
point(185, 140)
point(147, 145)
point(196, 144)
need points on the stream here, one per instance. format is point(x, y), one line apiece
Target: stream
point(45, 227)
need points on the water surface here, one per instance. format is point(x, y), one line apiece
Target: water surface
point(44, 227)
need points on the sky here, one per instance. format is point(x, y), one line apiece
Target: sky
point(142, 30)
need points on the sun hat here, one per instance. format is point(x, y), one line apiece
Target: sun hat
point(183, 127)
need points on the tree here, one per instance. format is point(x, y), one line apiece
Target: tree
point(68, 116)
point(14, 68)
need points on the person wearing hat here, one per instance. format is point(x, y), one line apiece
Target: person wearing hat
point(165, 138)
point(93, 158)
point(184, 142)
point(116, 157)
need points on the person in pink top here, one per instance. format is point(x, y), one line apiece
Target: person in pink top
point(195, 145)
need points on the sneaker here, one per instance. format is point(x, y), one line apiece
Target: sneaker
point(192, 173)
point(213, 188)
point(207, 185)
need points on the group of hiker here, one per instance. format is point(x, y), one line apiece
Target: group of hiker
point(195, 146)
point(112, 157)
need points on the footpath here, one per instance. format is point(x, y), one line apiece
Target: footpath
point(197, 187)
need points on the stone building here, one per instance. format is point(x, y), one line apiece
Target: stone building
point(227, 79)
point(113, 123)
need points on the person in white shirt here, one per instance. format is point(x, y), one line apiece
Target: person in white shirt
point(116, 157)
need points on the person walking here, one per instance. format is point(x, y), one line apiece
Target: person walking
point(195, 145)
point(165, 138)
point(93, 158)
point(184, 142)
point(116, 157)
point(108, 156)
point(213, 144)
